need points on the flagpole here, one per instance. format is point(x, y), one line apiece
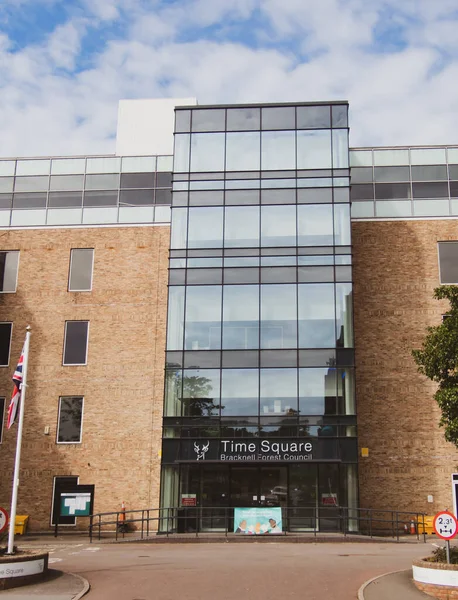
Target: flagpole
point(18, 443)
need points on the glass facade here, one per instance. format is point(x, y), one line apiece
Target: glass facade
point(85, 191)
point(260, 335)
point(404, 182)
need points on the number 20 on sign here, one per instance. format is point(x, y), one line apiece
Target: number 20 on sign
point(445, 525)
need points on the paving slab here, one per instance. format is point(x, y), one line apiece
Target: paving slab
point(57, 586)
point(393, 585)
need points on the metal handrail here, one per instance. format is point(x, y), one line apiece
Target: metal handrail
point(200, 520)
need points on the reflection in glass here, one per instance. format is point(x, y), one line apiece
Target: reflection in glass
point(201, 392)
point(205, 227)
point(316, 315)
point(203, 317)
point(342, 225)
point(278, 117)
point(314, 225)
point(344, 315)
point(179, 228)
point(208, 119)
point(175, 314)
point(278, 225)
point(241, 317)
point(278, 316)
point(243, 119)
point(278, 150)
point(314, 149)
point(239, 392)
point(243, 151)
point(346, 391)
point(278, 393)
point(241, 226)
point(317, 391)
point(313, 117)
point(173, 392)
point(340, 149)
point(207, 152)
point(181, 152)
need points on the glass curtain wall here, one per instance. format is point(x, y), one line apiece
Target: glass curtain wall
point(260, 332)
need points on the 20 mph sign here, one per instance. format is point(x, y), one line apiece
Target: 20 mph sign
point(3, 519)
point(445, 525)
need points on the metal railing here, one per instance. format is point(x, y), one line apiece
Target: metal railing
point(199, 520)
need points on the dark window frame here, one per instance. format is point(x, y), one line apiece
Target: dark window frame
point(58, 441)
point(71, 364)
point(69, 288)
point(9, 345)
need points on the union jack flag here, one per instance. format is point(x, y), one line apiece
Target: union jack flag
point(17, 381)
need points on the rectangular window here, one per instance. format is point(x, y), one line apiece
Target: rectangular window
point(448, 262)
point(70, 420)
point(75, 343)
point(5, 343)
point(8, 271)
point(2, 417)
point(81, 263)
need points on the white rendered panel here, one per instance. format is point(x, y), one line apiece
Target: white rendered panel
point(146, 126)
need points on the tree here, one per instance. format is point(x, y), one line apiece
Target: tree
point(438, 360)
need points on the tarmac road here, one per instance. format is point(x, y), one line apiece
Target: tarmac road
point(225, 571)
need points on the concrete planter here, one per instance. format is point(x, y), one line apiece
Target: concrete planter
point(22, 568)
point(438, 580)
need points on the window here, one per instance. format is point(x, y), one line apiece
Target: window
point(81, 262)
point(5, 343)
point(2, 416)
point(448, 262)
point(75, 343)
point(8, 271)
point(70, 420)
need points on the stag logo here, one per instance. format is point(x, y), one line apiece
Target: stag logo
point(201, 451)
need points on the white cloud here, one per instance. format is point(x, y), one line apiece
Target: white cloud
point(314, 50)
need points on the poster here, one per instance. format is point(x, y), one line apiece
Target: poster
point(257, 521)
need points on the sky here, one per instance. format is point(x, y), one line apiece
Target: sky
point(65, 64)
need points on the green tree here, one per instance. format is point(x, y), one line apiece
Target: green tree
point(438, 360)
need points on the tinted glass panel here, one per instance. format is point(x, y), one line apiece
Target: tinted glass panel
point(207, 152)
point(205, 228)
point(31, 184)
point(278, 316)
point(100, 198)
point(80, 278)
point(390, 174)
point(430, 190)
point(362, 192)
point(313, 117)
point(201, 392)
point(8, 271)
point(212, 119)
point(429, 173)
point(75, 350)
point(280, 117)
point(65, 199)
point(278, 392)
point(317, 391)
point(278, 150)
point(136, 197)
point(339, 115)
point(239, 392)
point(66, 182)
point(203, 318)
point(448, 262)
point(314, 225)
point(361, 175)
point(70, 419)
point(243, 151)
point(316, 316)
point(137, 180)
point(5, 341)
point(278, 226)
point(29, 200)
point(314, 149)
point(102, 182)
point(241, 317)
point(387, 191)
point(242, 119)
point(241, 226)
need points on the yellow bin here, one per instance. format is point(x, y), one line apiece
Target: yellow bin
point(20, 524)
point(428, 527)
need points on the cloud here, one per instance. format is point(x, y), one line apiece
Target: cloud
point(395, 62)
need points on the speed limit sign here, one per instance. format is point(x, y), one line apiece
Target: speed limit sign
point(3, 519)
point(445, 525)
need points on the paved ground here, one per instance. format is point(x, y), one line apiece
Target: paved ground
point(392, 586)
point(267, 571)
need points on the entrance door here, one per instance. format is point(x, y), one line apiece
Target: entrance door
point(244, 487)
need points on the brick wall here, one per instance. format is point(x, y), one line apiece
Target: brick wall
point(395, 273)
point(122, 383)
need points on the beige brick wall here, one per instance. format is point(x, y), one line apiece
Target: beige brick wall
point(395, 273)
point(122, 383)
